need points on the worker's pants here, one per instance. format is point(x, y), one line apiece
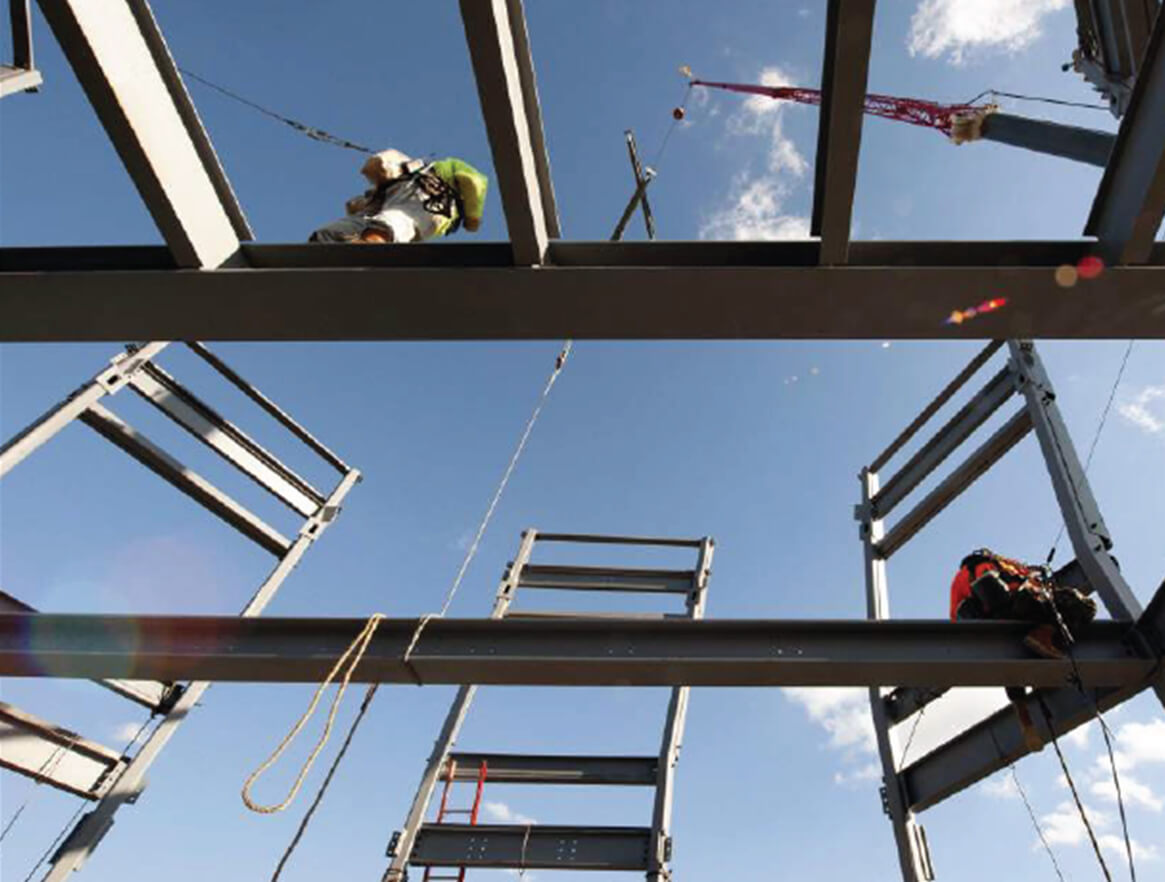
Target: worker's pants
point(396, 226)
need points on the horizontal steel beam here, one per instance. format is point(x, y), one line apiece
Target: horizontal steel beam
point(226, 439)
point(977, 464)
point(943, 443)
point(1042, 136)
point(54, 756)
point(144, 692)
point(18, 79)
point(571, 652)
point(592, 539)
point(189, 482)
point(980, 359)
point(532, 847)
point(508, 768)
point(769, 297)
point(576, 578)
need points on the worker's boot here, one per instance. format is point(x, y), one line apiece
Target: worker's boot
point(1042, 640)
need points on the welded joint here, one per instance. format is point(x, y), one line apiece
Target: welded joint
point(122, 368)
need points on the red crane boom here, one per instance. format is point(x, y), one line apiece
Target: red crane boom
point(930, 114)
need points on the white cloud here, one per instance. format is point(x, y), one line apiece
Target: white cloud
point(756, 213)
point(123, 732)
point(1080, 736)
point(1001, 786)
point(501, 813)
point(861, 775)
point(1064, 827)
point(1141, 412)
point(957, 28)
point(1133, 791)
point(842, 711)
point(1115, 845)
point(760, 114)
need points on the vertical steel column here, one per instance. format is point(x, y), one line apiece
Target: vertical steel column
point(1085, 526)
point(400, 847)
point(122, 367)
point(88, 832)
point(913, 854)
point(673, 735)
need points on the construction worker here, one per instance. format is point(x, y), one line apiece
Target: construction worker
point(410, 201)
point(990, 586)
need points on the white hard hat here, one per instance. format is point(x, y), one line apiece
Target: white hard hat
point(387, 165)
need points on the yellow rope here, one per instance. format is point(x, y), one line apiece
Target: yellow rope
point(355, 651)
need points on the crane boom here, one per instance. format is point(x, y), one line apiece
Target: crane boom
point(930, 114)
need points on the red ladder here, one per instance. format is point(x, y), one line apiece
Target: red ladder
point(445, 810)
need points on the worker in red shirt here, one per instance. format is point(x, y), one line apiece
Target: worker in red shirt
point(990, 586)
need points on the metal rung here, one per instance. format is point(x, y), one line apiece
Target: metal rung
point(534, 847)
point(505, 768)
point(551, 614)
point(584, 538)
point(50, 754)
point(576, 578)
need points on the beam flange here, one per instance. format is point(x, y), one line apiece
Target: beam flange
point(122, 63)
point(670, 652)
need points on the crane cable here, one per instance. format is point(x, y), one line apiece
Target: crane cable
point(350, 659)
point(316, 134)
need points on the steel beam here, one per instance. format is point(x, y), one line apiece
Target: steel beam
point(980, 359)
point(646, 303)
point(131, 781)
point(496, 33)
point(504, 768)
point(51, 755)
point(126, 70)
point(122, 369)
point(580, 578)
point(147, 693)
point(226, 439)
point(944, 442)
point(191, 483)
point(400, 847)
point(671, 652)
point(17, 79)
point(849, 26)
point(909, 838)
point(1130, 201)
point(1054, 139)
point(532, 847)
point(996, 742)
point(977, 464)
point(1083, 521)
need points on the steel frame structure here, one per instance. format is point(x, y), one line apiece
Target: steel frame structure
point(981, 750)
point(209, 283)
point(64, 759)
point(538, 846)
point(536, 286)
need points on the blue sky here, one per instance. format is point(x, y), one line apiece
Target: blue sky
point(756, 444)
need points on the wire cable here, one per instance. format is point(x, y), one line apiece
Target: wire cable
point(46, 768)
point(1038, 98)
point(1095, 439)
point(1027, 805)
point(1072, 788)
point(315, 803)
point(57, 841)
point(1106, 733)
point(910, 739)
point(316, 134)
